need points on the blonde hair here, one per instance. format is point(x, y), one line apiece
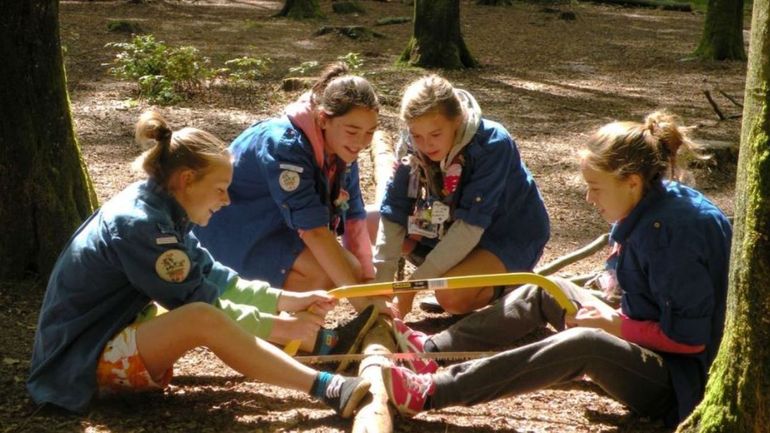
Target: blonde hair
point(430, 94)
point(337, 92)
point(168, 151)
point(648, 149)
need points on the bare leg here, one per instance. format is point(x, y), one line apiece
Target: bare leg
point(164, 339)
point(307, 274)
point(463, 301)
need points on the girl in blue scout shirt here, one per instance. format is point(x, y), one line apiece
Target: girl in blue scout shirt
point(671, 254)
point(137, 249)
point(462, 202)
point(296, 188)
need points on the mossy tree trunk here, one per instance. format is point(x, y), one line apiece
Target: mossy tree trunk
point(737, 398)
point(45, 190)
point(300, 9)
point(437, 41)
point(723, 31)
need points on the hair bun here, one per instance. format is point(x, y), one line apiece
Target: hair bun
point(664, 127)
point(152, 129)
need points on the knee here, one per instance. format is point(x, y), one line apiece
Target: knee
point(203, 318)
point(583, 341)
point(456, 303)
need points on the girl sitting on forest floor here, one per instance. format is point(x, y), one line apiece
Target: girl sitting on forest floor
point(138, 249)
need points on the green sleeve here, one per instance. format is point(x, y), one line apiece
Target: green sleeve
point(251, 304)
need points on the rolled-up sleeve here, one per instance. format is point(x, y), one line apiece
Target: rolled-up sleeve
point(290, 176)
point(680, 281)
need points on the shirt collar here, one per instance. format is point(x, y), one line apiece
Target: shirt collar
point(161, 197)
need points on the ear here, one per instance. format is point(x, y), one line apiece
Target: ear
point(323, 119)
point(634, 181)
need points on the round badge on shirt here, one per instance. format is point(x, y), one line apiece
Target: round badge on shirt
point(289, 180)
point(173, 266)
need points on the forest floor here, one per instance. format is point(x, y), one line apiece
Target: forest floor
point(551, 81)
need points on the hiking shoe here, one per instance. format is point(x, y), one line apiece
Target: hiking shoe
point(351, 334)
point(411, 341)
point(344, 394)
point(430, 304)
point(407, 391)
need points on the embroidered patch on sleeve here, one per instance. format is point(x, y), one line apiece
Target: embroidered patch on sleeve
point(173, 266)
point(289, 180)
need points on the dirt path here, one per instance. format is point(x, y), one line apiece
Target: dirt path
point(550, 81)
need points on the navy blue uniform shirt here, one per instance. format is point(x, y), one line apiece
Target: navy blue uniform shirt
point(496, 192)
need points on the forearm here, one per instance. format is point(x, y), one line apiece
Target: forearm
point(387, 250)
point(458, 242)
point(329, 254)
point(647, 333)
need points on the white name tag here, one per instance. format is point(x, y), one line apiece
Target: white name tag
point(166, 240)
point(291, 167)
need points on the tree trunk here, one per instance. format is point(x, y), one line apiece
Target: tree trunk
point(45, 190)
point(723, 31)
point(437, 41)
point(736, 398)
point(300, 9)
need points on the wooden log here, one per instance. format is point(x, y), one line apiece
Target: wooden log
point(377, 415)
point(384, 161)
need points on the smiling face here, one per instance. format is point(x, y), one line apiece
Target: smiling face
point(614, 198)
point(201, 196)
point(433, 134)
point(349, 134)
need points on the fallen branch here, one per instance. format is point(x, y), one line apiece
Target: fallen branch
point(714, 105)
point(730, 98)
point(658, 4)
point(574, 256)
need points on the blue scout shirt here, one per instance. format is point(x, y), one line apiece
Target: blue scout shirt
point(136, 248)
point(496, 192)
point(673, 268)
point(277, 189)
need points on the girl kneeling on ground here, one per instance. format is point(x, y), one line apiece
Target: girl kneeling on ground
point(462, 202)
point(296, 188)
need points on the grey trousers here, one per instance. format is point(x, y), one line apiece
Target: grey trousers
point(635, 376)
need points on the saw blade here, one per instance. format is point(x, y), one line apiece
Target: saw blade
point(354, 357)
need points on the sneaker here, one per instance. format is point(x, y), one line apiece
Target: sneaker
point(407, 390)
point(411, 341)
point(351, 334)
point(344, 394)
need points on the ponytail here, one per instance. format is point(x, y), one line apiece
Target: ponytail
point(168, 151)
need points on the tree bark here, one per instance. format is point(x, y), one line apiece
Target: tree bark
point(45, 191)
point(300, 9)
point(723, 31)
point(736, 398)
point(437, 41)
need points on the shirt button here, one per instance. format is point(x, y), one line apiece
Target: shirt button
point(283, 271)
point(656, 224)
point(478, 199)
